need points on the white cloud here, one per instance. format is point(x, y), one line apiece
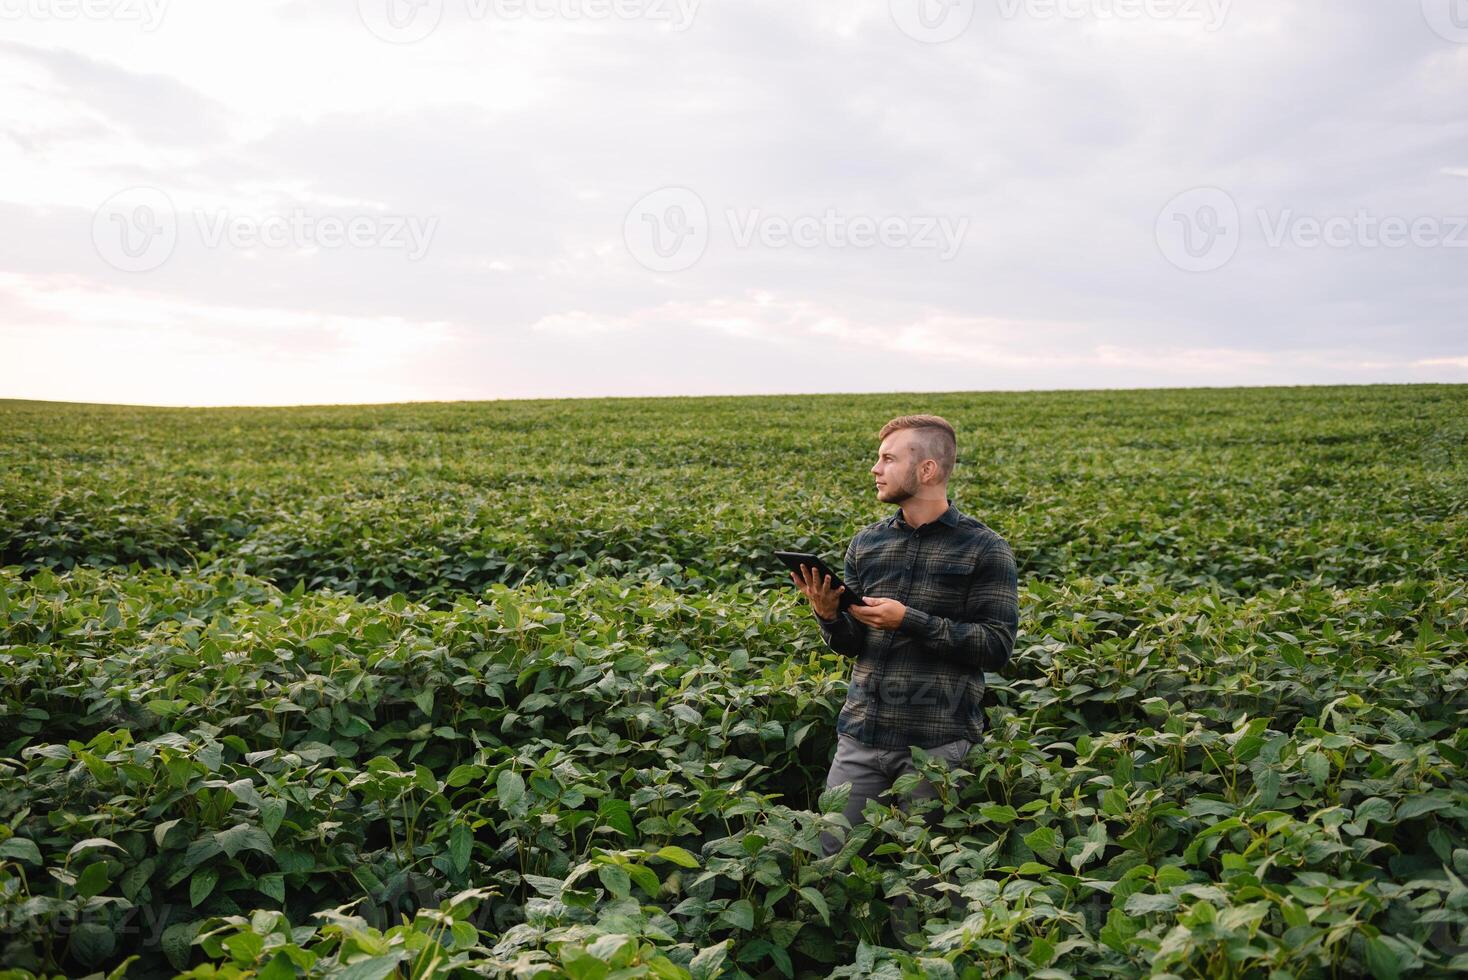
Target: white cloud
point(1058, 140)
point(137, 346)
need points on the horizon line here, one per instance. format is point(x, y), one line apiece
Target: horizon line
point(748, 395)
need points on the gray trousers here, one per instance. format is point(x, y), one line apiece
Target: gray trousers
point(871, 772)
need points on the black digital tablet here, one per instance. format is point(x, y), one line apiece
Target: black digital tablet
point(794, 559)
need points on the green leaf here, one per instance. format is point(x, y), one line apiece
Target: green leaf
point(92, 942)
point(280, 967)
point(272, 812)
point(616, 814)
point(463, 775)
point(243, 837)
point(509, 788)
point(1382, 961)
point(833, 800)
point(244, 947)
point(91, 843)
point(1114, 802)
point(201, 884)
point(1318, 766)
point(371, 968)
point(740, 914)
point(678, 856)
point(163, 830)
point(1416, 806)
point(178, 943)
point(120, 970)
point(905, 784)
point(1141, 903)
point(998, 813)
point(21, 849)
point(92, 881)
point(646, 879)
point(615, 949)
point(617, 881)
point(708, 963)
point(1119, 930)
point(423, 778)
point(1268, 785)
point(461, 843)
point(272, 885)
point(136, 877)
point(819, 902)
point(1043, 842)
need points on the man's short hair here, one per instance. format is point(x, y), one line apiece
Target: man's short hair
point(936, 439)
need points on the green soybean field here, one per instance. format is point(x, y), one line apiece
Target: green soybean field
point(517, 689)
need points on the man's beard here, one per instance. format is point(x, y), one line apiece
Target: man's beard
point(900, 493)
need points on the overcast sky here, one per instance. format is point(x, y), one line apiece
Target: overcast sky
point(291, 202)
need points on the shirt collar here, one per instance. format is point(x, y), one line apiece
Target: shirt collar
point(949, 516)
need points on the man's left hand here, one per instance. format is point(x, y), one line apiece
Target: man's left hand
point(884, 614)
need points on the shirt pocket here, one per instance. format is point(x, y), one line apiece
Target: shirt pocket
point(948, 584)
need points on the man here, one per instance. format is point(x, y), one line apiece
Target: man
point(941, 606)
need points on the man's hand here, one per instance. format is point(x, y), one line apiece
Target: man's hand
point(884, 614)
point(825, 600)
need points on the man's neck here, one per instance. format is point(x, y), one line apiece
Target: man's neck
point(922, 510)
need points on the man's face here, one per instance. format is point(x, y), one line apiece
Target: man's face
point(896, 470)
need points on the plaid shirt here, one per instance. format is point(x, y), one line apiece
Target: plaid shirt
point(922, 683)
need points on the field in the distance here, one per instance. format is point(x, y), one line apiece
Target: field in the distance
point(515, 689)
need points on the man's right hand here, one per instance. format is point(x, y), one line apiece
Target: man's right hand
point(825, 600)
